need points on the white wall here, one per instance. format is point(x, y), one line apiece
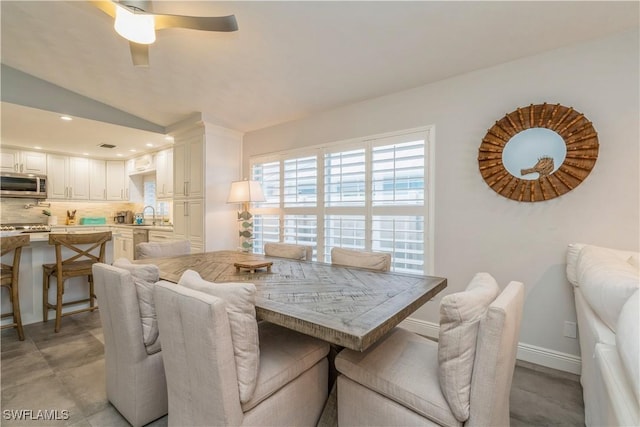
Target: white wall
point(478, 230)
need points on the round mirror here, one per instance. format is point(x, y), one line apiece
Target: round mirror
point(538, 152)
point(533, 153)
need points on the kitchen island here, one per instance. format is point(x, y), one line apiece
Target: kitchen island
point(40, 252)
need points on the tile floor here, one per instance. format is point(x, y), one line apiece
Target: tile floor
point(65, 371)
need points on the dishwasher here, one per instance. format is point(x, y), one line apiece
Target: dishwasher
point(139, 236)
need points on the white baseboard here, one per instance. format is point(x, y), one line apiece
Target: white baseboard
point(526, 352)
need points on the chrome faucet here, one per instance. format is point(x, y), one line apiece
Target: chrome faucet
point(153, 211)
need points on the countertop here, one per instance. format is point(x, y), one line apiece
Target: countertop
point(167, 228)
point(44, 237)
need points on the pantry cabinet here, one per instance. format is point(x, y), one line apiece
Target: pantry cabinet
point(19, 161)
point(188, 168)
point(164, 174)
point(188, 223)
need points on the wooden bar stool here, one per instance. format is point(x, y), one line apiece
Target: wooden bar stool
point(76, 265)
point(10, 275)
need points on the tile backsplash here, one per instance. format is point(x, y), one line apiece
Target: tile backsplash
point(15, 210)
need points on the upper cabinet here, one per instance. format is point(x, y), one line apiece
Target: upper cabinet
point(68, 177)
point(188, 166)
point(97, 180)
point(164, 174)
point(117, 180)
point(14, 160)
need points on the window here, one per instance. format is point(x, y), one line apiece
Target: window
point(368, 194)
point(149, 196)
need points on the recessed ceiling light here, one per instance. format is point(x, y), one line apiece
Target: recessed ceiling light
point(119, 155)
point(38, 147)
point(133, 150)
point(85, 154)
point(168, 138)
point(66, 118)
point(148, 144)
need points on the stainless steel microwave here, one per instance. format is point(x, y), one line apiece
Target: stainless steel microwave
point(23, 185)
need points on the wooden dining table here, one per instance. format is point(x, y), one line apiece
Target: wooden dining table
point(345, 306)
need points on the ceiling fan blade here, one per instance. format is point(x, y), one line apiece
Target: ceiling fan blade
point(139, 54)
point(205, 23)
point(106, 6)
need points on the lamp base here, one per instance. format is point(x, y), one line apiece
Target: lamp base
point(245, 230)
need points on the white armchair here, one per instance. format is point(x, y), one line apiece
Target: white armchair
point(136, 383)
point(403, 380)
point(203, 364)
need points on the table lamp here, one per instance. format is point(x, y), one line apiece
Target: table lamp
point(245, 192)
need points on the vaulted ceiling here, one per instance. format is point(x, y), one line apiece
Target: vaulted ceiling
point(288, 59)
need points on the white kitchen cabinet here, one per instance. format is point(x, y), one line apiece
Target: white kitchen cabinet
point(161, 236)
point(123, 244)
point(68, 177)
point(14, 160)
point(116, 180)
point(188, 168)
point(164, 174)
point(188, 222)
point(78, 178)
point(58, 177)
point(97, 180)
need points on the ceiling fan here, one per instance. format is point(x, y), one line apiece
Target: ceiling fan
point(134, 23)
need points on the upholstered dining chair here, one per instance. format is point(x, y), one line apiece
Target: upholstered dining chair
point(11, 278)
point(84, 249)
point(464, 379)
point(224, 368)
point(378, 261)
point(135, 377)
point(162, 249)
point(288, 250)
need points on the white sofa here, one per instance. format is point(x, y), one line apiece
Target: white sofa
point(605, 283)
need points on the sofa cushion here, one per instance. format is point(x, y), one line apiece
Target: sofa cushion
point(628, 340)
point(284, 356)
point(240, 305)
point(607, 280)
point(460, 314)
point(403, 367)
point(144, 278)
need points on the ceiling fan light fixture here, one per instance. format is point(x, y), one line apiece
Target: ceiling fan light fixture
point(135, 27)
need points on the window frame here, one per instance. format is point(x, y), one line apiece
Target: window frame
point(320, 210)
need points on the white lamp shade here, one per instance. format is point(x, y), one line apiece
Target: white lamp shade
point(135, 27)
point(245, 191)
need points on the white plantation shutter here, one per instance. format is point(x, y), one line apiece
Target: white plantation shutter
point(398, 173)
point(300, 182)
point(268, 174)
point(369, 194)
point(300, 229)
point(344, 178)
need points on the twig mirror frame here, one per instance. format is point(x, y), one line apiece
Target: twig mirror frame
point(578, 134)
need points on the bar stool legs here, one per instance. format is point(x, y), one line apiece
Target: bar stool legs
point(60, 279)
point(10, 275)
point(14, 296)
point(83, 250)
